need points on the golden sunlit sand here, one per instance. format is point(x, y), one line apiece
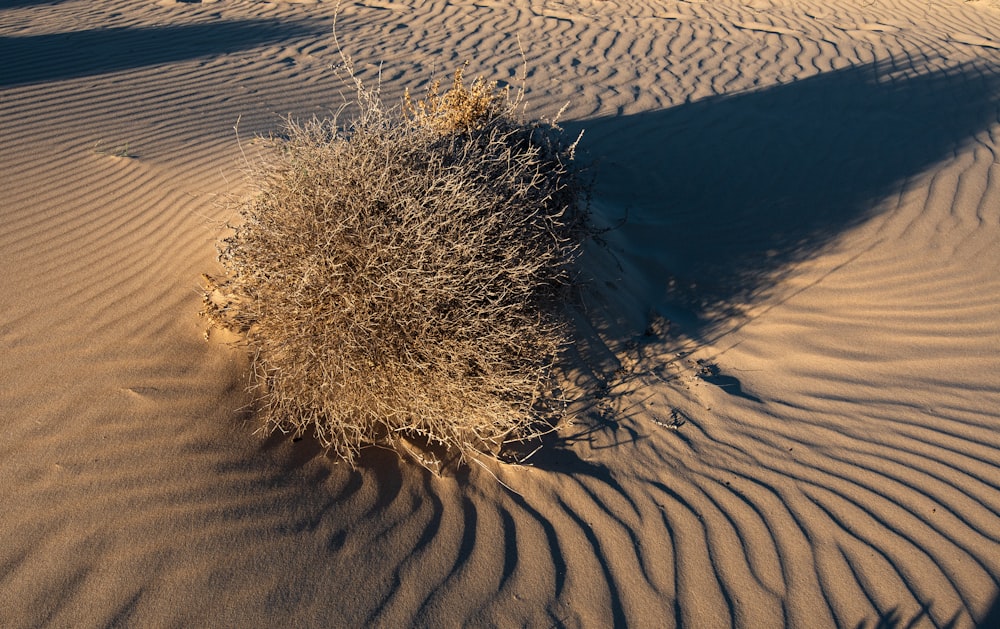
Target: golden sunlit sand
point(786, 344)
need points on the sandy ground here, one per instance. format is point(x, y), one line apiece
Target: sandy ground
point(796, 330)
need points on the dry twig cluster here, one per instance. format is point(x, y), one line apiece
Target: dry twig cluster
point(397, 281)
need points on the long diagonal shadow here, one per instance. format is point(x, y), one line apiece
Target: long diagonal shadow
point(58, 56)
point(725, 192)
point(13, 4)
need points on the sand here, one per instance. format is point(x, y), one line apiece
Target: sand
point(796, 328)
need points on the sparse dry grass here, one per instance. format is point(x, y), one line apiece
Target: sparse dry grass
point(398, 281)
point(461, 108)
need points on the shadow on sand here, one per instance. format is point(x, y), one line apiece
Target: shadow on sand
point(724, 193)
point(59, 56)
point(992, 618)
point(14, 4)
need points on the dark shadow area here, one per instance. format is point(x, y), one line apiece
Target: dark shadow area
point(729, 384)
point(60, 56)
point(15, 4)
point(724, 193)
point(992, 618)
point(893, 619)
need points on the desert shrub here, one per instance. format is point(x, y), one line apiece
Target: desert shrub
point(460, 108)
point(398, 280)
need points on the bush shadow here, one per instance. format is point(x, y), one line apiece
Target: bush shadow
point(60, 56)
point(724, 194)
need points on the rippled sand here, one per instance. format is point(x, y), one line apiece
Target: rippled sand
point(795, 332)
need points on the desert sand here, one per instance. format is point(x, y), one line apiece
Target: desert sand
point(793, 323)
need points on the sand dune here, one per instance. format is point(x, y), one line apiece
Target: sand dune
point(790, 348)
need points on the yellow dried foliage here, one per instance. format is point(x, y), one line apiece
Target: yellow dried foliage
point(461, 108)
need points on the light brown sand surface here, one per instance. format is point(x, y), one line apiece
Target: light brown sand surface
point(797, 326)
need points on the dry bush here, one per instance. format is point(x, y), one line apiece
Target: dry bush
point(461, 108)
point(398, 281)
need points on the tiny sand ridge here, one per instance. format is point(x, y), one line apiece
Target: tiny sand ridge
point(787, 344)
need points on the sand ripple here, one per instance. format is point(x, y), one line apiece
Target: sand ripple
point(796, 332)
